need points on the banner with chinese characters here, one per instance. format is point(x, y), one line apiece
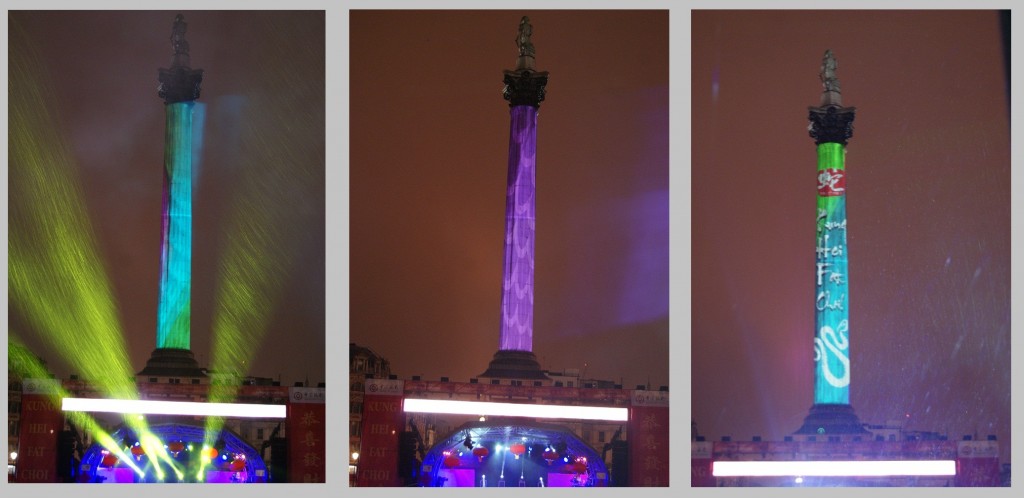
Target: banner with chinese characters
point(41, 422)
point(701, 453)
point(832, 301)
point(306, 434)
point(383, 422)
point(648, 439)
point(977, 463)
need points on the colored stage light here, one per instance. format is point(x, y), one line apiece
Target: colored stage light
point(516, 409)
point(152, 407)
point(56, 273)
point(837, 468)
point(261, 242)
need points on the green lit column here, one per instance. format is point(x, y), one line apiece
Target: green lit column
point(179, 88)
point(831, 128)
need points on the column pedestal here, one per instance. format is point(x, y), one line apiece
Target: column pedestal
point(509, 364)
point(831, 420)
point(166, 362)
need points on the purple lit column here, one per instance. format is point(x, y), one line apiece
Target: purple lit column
point(520, 217)
point(524, 90)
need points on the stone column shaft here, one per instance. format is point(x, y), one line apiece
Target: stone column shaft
point(174, 307)
point(520, 218)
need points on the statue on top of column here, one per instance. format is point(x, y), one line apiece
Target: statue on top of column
point(178, 42)
point(523, 39)
point(828, 72)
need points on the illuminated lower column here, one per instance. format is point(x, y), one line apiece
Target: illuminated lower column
point(174, 308)
point(832, 314)
point(179, 87)
point(831, 127)
point(520, 218)
point(524, 89)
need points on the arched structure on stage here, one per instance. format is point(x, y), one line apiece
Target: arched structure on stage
point(511, 453)
point(230, 459)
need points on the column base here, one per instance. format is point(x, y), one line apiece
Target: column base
point(831, 419)
point(512, 364)
point(171, 363)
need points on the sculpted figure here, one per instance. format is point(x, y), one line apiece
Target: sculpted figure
point(828, 72)
point(523, 39)
point(178, 42)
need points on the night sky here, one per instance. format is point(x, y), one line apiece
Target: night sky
point(928, 219)
point(929, 195)
point(261, 178)
point(428, 164)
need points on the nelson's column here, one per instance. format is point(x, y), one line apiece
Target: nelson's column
point(831, 127)
point(179, 87)
point(524, 90)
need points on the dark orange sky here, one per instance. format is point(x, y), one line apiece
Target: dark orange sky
point(928, 219)
point(429, 145)
point(261, 175)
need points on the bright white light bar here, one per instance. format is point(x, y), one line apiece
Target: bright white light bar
point(152, 407)
point(515, 409)
point(838, 468)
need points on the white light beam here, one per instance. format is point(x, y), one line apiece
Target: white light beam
point(515, 409)
point(154, 407)
point(836, 468)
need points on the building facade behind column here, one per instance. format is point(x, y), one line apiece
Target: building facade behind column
point(421, 432)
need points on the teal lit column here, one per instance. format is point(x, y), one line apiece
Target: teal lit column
point(832, 293)
point(174, 308)
point(179, 87)
point(831, 128)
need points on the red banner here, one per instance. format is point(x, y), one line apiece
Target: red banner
point(306, 434)
point(648, 439)
point(701, 453)
point(41, 422)
point(977, 463)
point(977, 472)
point(831, 182)
point(700, 473)
point(383, 422)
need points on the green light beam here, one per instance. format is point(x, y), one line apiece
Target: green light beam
point(55, 274)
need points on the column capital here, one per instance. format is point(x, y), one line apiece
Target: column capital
point(179, 84)
point(831, 123)
point(525, 87)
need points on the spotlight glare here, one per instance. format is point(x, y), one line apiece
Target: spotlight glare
point(838, 468)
